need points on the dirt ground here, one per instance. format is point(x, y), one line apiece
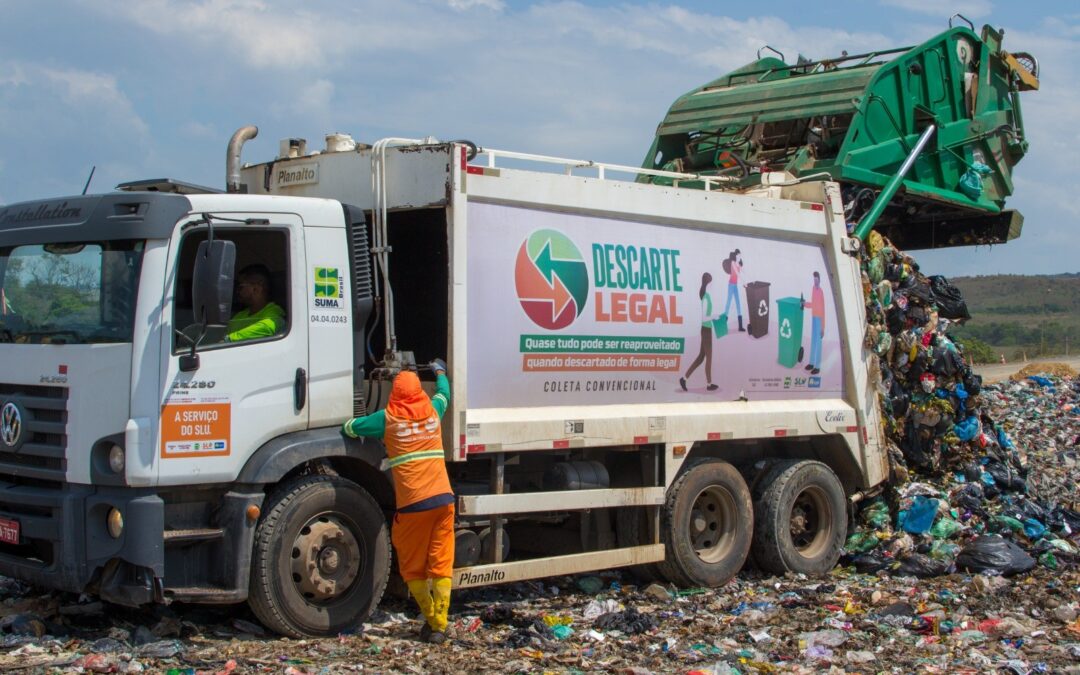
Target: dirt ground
point(997, 372)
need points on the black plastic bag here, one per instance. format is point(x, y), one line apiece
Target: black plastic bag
point(917, 316)
point(1005, 477)
point(629, 621)
point(1060, 516)
point(971, 496)
point(899, 405)
point(947, 362)
point(898, 398)
point(991, 554)
point(921, 290)
point(918, 451)
point(972, 382)
point(949, 299)
point(895, 319)
point(1024, 508)
point(497, 614)
point(922, 566)
point(871, 562)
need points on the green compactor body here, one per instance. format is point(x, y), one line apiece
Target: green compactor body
point(855, 119)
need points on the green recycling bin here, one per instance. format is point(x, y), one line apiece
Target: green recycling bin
point(789, 320)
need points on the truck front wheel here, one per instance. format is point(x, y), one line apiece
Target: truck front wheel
point(321, 557)
point(706, 525)
point(800, 519)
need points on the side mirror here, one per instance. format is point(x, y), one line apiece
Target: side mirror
point(211, 292)
point(212, 285)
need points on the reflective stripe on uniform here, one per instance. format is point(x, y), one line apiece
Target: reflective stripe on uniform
point(415, 456)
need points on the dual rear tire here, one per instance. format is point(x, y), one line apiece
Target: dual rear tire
point(711, 523)
point(800, 519)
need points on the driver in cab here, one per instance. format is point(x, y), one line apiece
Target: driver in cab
point(260, 317)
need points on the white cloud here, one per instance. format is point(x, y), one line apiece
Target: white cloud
point(314, 99)
point(79, 91)
point(195, 129)
point(972, 9)
point(266, 35)
point(465, 5)
point(72, 119)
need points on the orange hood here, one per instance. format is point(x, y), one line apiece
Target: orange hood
point(407, 399)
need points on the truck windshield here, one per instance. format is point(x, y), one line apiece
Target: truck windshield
point(70, 293)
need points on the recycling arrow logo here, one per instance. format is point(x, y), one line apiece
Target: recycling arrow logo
point(763, 308)
point(785, 329)
point(551, 279)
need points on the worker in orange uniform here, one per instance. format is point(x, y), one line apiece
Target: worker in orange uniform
point(423, 530)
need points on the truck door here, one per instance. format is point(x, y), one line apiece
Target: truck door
point(251, 384)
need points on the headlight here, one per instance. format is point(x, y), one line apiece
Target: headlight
point(115, 522)
point(116, 459)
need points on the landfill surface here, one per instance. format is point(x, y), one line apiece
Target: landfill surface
point(848, 622)
point(965, 563)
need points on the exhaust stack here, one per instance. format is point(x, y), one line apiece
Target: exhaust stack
point(232, 157)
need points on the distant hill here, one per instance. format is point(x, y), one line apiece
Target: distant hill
point(1018, 314)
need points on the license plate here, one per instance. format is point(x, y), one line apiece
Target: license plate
point(9, 531)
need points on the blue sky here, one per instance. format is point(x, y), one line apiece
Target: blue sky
point(155, 88)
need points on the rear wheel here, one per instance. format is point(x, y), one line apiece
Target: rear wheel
point(321, 557)
point(706, 525)
point(800, 519)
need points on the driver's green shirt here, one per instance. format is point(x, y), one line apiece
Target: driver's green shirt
point(267, 322)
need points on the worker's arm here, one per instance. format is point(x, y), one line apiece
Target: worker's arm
point(368, 426)
point(267, 322)
point(267, 327)
point(440, 400)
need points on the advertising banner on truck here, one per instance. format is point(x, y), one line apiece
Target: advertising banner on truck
point(568, 309)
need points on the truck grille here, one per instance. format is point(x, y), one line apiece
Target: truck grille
point(40, 460)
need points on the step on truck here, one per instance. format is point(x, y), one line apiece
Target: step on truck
point(650, 368)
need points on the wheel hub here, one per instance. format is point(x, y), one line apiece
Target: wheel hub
point(810, 524)
point(325, 559)
point(698, 523)
point(798, 522)
point(329, 559)
point(712, 523)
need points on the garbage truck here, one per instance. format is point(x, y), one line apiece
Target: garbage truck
point(608, 407)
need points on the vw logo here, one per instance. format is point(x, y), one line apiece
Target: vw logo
point(10, 424)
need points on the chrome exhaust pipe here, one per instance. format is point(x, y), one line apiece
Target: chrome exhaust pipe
point(232, 157)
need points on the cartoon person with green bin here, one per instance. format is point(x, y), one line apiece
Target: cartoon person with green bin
point(708, 322)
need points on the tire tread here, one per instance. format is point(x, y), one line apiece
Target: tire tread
point(671, 569)
point(260, 595)
point(767, 547)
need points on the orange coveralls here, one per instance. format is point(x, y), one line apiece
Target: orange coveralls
point(423, 531)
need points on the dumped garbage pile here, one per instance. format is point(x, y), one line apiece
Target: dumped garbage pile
point(964, 494)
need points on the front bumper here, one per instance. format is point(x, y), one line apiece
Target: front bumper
point(64, 542)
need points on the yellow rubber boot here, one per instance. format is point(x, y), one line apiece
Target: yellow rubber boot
point(421, 592)
point(441, 597)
